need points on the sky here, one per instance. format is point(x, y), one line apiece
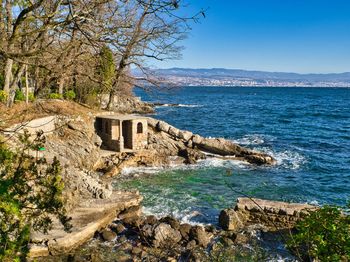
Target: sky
point(303, 36)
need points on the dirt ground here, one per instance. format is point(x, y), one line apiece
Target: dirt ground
point(21, 112)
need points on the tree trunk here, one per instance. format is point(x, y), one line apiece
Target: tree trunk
point(110, 100)
point(8, 75)
point(27, 85)
point(61, 83)
point(14, 85)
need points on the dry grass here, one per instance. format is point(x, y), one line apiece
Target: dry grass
point(21, 112)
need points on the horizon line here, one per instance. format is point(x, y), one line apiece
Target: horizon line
point(251, 70)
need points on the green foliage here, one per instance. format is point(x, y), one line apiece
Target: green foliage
point(2, 80)
point(55, 96)
point(3, 96)
point(106, 68)
point(31, 97)
point(30, 195)
point(323, 235)
point(70, 95)
point(19, 95)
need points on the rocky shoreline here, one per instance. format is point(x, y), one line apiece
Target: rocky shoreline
point(87, 171)
point(135, 237)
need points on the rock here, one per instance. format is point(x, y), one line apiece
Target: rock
point(185, 230)
point(151, 220)
point(133, 221)
point(97, 141)
point(227, 241)
point(132, 212)
point(163, 126)
point(210, 228)
point(274, 215)
point(152, 122)
point(147, 231)
point(164, 234)
point(112, 171)
point(122, 239)
point(191, 245)
point(126, 246)
point(241, 239)
point(191, 155)
point(175, 224)
point(118, 228)
point(197, 140)
point(174, 132)
point(225, 147)
point(230, 220)
point(136, 251)
point(128, 104)
point(185, 135)
point(108, 235)
point(201, 237)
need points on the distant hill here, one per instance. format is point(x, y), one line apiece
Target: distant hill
point(228, 77)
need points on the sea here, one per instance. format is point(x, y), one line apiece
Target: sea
point(307, 130)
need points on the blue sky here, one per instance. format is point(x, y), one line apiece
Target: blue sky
point(273, 35)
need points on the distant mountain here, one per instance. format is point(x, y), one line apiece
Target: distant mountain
point(237, 73)
point(228, 77)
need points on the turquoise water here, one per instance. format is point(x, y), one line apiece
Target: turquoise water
point(306, 129)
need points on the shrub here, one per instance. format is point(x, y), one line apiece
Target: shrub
point(23, 209)
point(323, 235)
point(19, 95)
point(31, 97)
point(70, 95)
point(2, 80)
point(55, 96)
point(3, 96)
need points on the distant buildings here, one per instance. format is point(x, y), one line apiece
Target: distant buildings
point(229, 81)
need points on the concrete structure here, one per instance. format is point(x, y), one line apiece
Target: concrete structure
point(122, 133)
point(88, 217)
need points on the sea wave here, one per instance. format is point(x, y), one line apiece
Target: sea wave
point(164, 204)
point(179, 105)
point(211, 162)
point(287, 159)
point(254, 139)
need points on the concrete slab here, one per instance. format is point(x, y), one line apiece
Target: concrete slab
point(87, 218)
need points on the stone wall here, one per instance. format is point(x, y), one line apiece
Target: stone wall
point(140, 139)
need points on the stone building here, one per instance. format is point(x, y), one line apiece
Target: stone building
point(122, 133)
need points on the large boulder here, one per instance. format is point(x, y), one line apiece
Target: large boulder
point(108, 235)
point(225, 147)
point(274, 215)
point(229, 219)
point(164, 235)
point(191, 155)
point(201, 237)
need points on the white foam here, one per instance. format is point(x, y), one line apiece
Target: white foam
point(183, 105)
point(179, 105)
point(206, 163)
point(289, 159)
point(126, 171)
point(254, 139)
